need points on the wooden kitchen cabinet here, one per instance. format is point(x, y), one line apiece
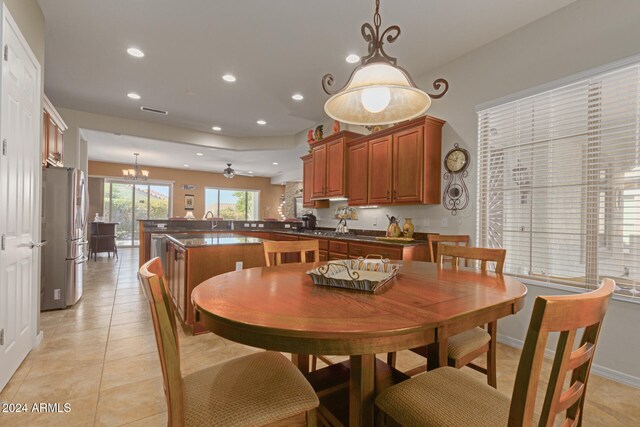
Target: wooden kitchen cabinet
point(328, 160)
point(408, 161)
point(400, 165)
point(357, 179)
point(307, 185)
point(319, 167)
point(380, 168)
point(335, 178)
point(53, 128)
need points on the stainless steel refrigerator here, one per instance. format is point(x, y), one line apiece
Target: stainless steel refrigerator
point(65, 205)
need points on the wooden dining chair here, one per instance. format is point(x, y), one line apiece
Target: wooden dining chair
point(466, 346)
point(275, 253)
point(447, 396)
point(259, 389)
point(435, 239)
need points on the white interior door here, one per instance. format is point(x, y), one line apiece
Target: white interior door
point(19, 198)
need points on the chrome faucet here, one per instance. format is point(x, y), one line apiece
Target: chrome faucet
point(214, 224)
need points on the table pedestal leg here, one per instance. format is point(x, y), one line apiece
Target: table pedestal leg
point(437, 352)
point(361, 390)
point(301, 361)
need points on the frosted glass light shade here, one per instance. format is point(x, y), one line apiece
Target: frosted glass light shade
point(360, 102)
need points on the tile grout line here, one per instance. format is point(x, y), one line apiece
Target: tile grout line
point(104, 356)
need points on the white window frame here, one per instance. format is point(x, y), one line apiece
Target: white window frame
point(253, 190)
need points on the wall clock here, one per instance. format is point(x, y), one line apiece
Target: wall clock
point(456, 194)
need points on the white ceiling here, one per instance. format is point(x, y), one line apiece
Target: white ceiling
point(274, 48)
point(109, 147)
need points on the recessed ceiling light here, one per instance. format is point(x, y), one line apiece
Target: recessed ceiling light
point(229, 78)
point(353, 58)
point(261, 122)
point(216, 128)
point(199, 154)
point(134, 51)
point(297, 97)
point(133, 95)
point(275, 163)
point(186, 166)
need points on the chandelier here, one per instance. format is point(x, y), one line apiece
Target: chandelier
point(136, 173)
point(378, 91)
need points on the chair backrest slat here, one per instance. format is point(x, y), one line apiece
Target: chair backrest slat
point(274, 250)
point(565, 314)
point(435, 239)
point(480, 254)
point(153, 283)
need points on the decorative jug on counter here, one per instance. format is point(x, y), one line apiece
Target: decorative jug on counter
point(394, 229)
point(408, 227)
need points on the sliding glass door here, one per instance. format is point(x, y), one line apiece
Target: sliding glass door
point(126, 203)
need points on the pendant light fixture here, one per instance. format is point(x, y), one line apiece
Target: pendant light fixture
point(378, 91)
point(135, 174)
point(229, 172)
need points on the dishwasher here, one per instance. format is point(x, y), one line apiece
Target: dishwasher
point(159, 248)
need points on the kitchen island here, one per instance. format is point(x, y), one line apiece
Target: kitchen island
point(190, 259)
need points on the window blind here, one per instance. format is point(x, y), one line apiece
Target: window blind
point(559, 182)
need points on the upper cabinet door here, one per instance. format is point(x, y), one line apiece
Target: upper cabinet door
point(319, 161)
point(335, 186)
point(408, 164)
point(357, 174)
point(307, 182)
point(380, 170)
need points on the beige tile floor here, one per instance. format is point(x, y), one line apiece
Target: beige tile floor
point(100, 357)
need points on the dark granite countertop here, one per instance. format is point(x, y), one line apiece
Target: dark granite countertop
point(212, 239)
point(223, 228)
point(354, 237)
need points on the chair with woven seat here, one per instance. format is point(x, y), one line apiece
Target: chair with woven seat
point(448, 396)
point(435, 239)
point(276, 253)
point(259, 389)
point(466, 346)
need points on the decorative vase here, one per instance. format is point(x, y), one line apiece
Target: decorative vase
point(408, 227)
point(394, 229)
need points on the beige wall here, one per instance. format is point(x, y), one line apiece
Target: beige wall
point(269, 194)
point(583, 35)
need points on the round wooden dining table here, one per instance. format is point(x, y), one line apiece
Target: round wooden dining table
point(279, 308)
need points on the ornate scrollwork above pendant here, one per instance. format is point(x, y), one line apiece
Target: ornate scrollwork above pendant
point(377, 54)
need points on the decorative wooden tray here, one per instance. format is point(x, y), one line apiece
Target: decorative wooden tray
point(357, 274)
point(396, 239)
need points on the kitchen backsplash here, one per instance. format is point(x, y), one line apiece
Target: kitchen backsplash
point(426, 218)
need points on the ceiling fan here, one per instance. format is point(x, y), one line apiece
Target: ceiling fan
point(229, 172)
